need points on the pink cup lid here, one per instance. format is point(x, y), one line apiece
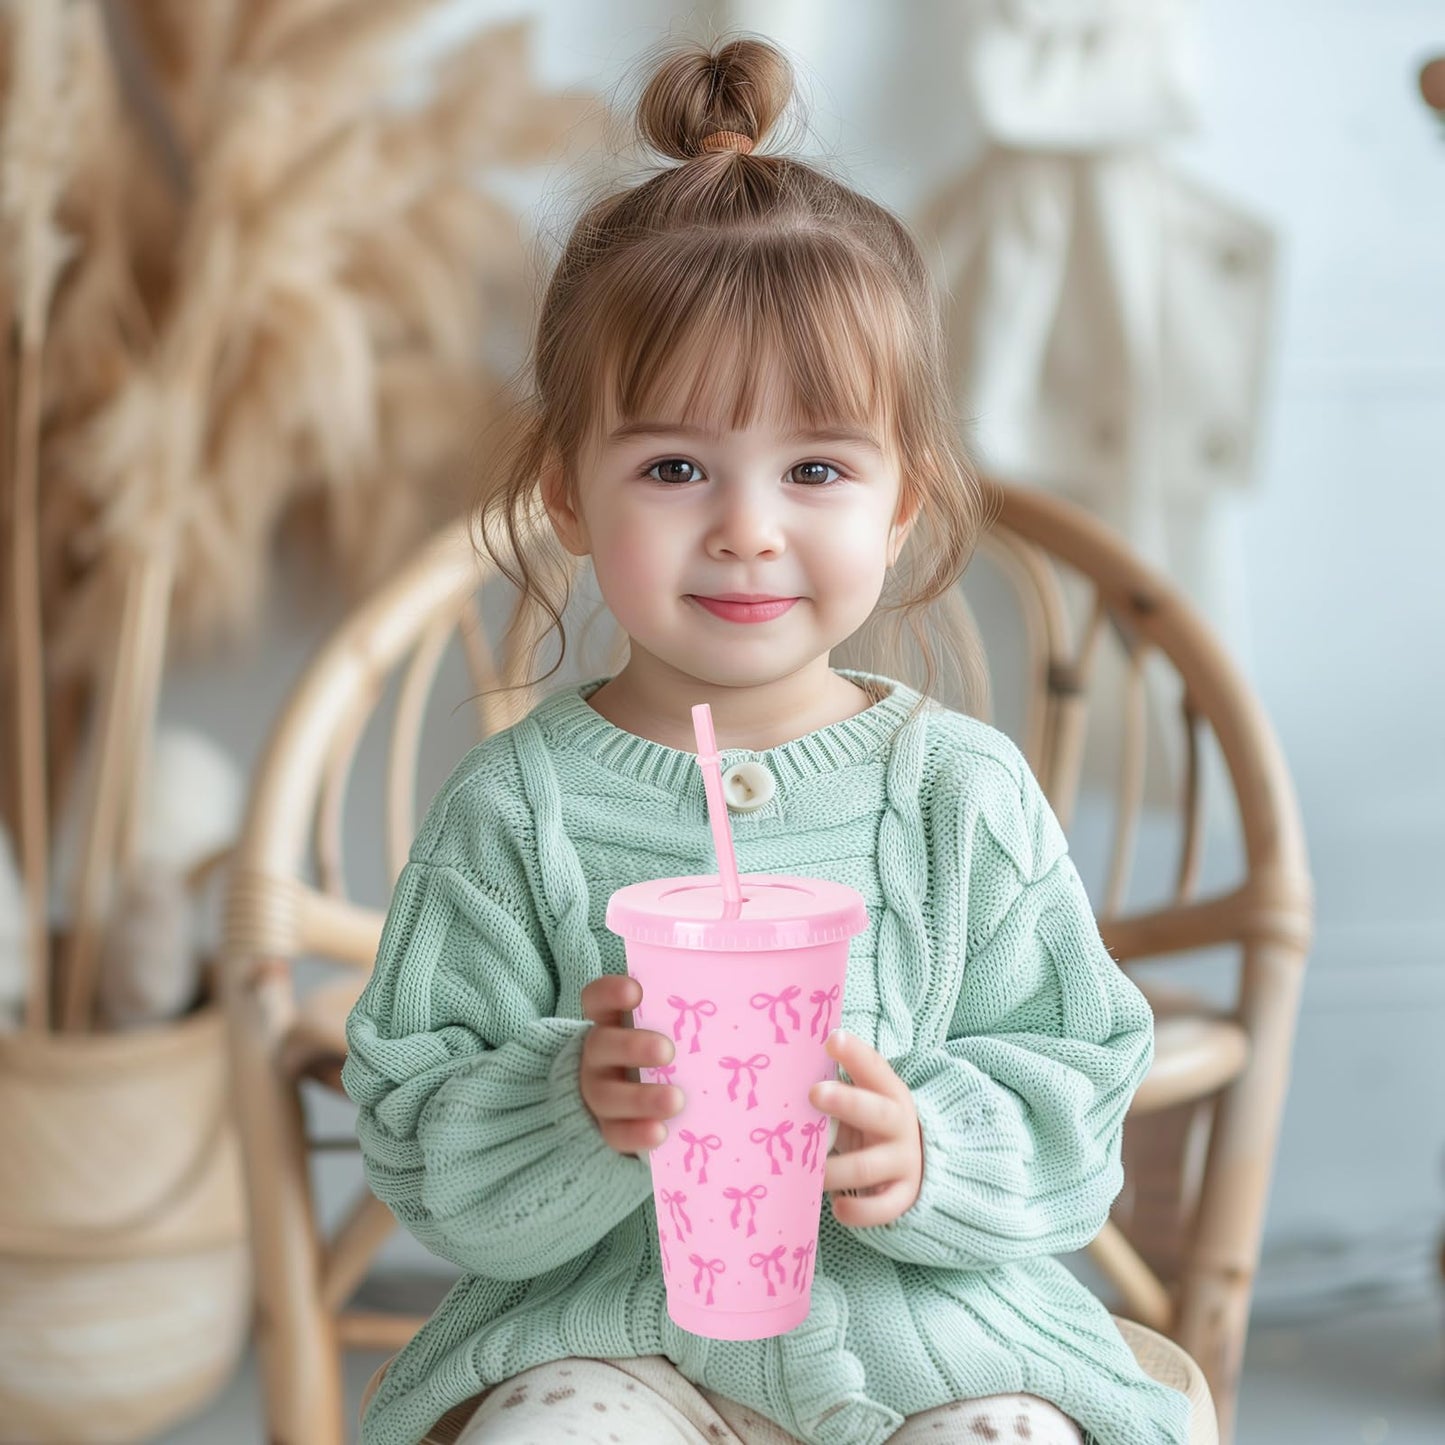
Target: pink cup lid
point(779, 910)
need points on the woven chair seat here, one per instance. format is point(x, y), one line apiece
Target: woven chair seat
point(1195, 1055)
point(315, 1044)
point(1158, 1356)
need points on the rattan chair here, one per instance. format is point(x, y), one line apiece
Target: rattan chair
point(1181, 1248)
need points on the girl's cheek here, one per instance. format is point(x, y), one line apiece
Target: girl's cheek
point(632, 545)
point(626, 576)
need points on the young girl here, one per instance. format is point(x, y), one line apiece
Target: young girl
point(740, 393)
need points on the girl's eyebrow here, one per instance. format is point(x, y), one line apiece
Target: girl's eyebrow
point(820, 434)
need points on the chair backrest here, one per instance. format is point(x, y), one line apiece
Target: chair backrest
point(1045, 544)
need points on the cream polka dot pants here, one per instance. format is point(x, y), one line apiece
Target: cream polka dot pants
point(646, 1401)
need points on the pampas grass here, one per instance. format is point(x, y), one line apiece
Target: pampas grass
point(14, 954)
point(263, 278)
point(33, 160)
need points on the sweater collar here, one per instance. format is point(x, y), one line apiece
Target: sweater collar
point(567, 719)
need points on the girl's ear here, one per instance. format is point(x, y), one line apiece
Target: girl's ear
point(567, 521)
point(908, 507)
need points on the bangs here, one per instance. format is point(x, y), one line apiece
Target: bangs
point(792, 329)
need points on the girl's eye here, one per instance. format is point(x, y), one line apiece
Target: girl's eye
point(673, 467)
point(815, 467)
point(671, 462)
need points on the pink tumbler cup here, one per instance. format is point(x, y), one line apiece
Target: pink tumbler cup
point(748, 992)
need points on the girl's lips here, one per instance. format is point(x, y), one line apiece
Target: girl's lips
point(745, 611)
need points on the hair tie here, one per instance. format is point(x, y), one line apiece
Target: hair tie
point(727, 140)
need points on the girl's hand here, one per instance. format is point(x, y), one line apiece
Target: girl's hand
point(877, 1171)
point(629, 1113)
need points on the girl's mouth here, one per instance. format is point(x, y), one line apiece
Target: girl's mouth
point(745, 611)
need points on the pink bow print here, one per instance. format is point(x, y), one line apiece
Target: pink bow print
point(702, 1142)
point(710, 1267)
point(771, 1001)
point(774, 1136)
point(775, 1259)
point(749, 1197)
point(752, 1065)
point(697, 1010)
point(815, 1131)
point(662, 1074)
point(675, 1199)
point(823, 999)
point(804, 1255)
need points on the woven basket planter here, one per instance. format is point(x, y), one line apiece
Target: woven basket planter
point(125, 1286)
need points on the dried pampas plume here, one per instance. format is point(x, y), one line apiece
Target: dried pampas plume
point(255, 272)
point(13, 938)
point(35, 148)
point(330, 269)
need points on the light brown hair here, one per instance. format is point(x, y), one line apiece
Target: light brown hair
point(666, 293)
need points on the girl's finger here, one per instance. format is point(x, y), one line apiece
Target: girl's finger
point(858, 1212)
point(634, 1136)
point(618, 1099)
point(864, 1109)
point(608, 1047)
point(608, 998)
point(865, 1065)
point(880, 1164)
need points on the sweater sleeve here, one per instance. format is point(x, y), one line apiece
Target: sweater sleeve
point(1022, 1106)
point(470, 1118)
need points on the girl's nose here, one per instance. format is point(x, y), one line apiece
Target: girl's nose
point(744, 525)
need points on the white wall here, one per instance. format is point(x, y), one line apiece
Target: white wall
point(1314, 119)
point(1310, 118)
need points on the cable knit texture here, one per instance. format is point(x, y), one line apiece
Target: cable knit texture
point(981, 978)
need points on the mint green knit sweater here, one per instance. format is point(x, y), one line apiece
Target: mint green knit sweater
point(981, 977)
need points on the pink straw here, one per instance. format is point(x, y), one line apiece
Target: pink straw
point(717, 813)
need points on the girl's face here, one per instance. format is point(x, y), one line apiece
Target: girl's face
point(670, 513)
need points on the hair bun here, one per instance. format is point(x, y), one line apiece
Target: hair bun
point(743, 86)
